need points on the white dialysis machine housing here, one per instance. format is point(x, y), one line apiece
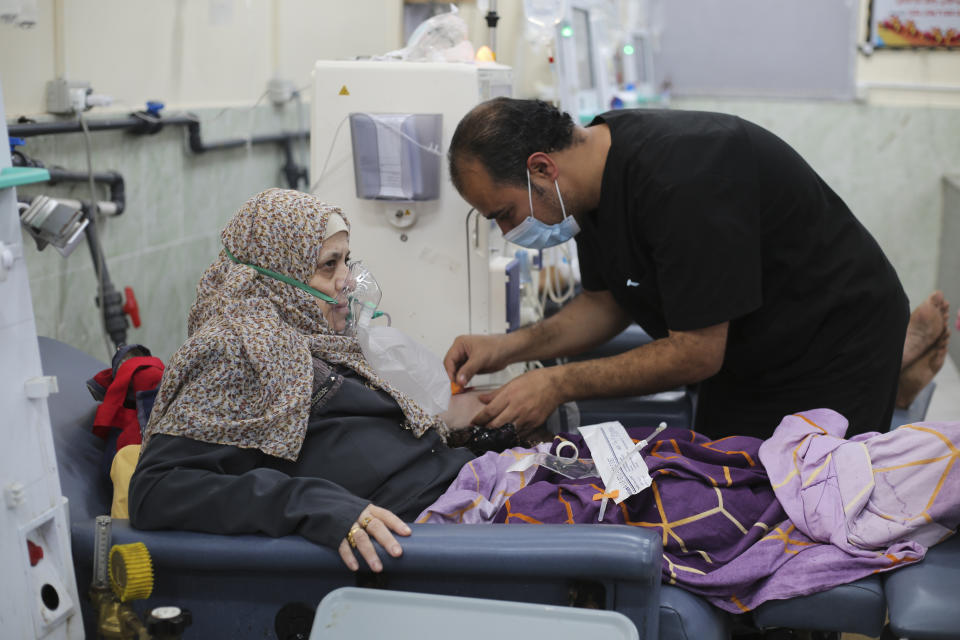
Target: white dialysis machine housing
point(38, 590)
point(380, 131)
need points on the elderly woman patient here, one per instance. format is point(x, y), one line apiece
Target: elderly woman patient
point(268, 420)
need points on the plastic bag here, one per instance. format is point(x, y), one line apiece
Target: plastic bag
point(407, 365)
point(573, 467)
point(442, 38)
point(543, 16)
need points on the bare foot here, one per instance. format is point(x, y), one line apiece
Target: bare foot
point(928, 322)
point(919, 374)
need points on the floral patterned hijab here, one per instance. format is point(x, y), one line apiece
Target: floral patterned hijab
point(244, 376)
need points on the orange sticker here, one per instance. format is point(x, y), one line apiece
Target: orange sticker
point(609, 494)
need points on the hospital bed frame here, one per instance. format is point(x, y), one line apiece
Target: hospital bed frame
point(234, 585)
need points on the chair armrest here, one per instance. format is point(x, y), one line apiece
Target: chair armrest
point(625, 559)
point(612, 551)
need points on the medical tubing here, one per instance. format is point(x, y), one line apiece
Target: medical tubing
point(282, 278)
point(323, 170)
point(469, 279)
point(399, 132)
point(551, 287)
point(336, 134)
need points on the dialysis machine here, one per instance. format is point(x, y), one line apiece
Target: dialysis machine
point(39, 591)
point(583, 84)
point(380, 131)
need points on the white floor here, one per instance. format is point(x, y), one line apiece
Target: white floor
point(945, 403)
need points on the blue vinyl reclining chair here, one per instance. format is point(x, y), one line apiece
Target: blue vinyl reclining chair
point(235, 585)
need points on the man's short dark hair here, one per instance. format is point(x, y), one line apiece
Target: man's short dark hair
point(503, 132)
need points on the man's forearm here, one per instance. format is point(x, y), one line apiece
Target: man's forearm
point(588, 320)
point(658, 366)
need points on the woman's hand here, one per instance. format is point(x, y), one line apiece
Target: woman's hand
point(463, 407)
point(373, 523)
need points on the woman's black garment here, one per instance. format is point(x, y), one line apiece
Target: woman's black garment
point(355, 453)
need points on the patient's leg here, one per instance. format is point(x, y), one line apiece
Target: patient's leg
point(916, 376)
point(928, 322)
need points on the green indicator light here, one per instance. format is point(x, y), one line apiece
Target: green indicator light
point(628, 49)
point(566, 31)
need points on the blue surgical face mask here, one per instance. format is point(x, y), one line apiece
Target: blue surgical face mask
point(533, 234)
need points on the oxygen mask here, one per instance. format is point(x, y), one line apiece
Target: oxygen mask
point(361, 296)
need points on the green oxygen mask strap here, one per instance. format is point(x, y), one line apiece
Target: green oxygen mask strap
point(283, 278)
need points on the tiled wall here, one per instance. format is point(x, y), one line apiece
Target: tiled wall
point(886, 162)
point(177, 202)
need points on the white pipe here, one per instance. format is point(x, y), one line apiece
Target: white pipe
point(493, 30)
point(275, 35)
point(59, 44)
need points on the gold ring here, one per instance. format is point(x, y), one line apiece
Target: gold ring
point(366, 522)
point(353, 530)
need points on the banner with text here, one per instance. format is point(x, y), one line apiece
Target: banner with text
point(915, 23)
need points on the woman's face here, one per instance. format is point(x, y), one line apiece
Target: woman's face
point(330, 277)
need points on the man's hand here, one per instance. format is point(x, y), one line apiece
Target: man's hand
point(474, 354)
point(526, 401)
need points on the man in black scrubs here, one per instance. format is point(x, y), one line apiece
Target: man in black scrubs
point(713, 235)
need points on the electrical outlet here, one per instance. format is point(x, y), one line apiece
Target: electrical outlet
point(66, 97)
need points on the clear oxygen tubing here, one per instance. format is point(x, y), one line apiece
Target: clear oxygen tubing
point(531, 294)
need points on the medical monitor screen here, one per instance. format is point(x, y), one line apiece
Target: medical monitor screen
point(584, 47)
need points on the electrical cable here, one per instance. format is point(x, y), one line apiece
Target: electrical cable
point(252, 118)
point(304, 149)
point(469, 278)
point(95, 212)
point(416, 143)
point(323, 171)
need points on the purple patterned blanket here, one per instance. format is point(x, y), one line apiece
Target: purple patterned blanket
point(742, 520)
